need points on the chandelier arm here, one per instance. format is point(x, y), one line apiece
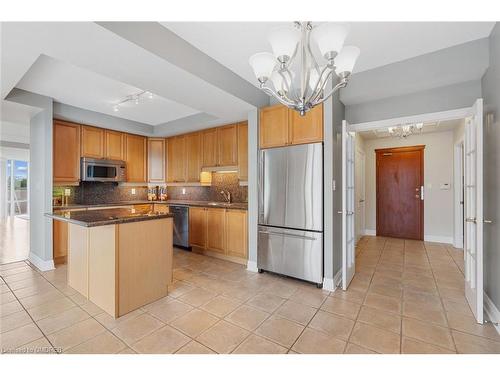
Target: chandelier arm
point(338, 86)
point(292, 90)
point(313, 59)
point(277, 97)
point(319, 88)
point(304, 76)
point(285, 82)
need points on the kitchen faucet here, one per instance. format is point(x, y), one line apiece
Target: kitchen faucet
point(226, 195)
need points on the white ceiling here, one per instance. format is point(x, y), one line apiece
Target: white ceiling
point(69, 84)
point(429, 127)
point(381, 43)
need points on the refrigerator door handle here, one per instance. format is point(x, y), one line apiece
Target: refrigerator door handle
point(288, 235)
point(261, 186)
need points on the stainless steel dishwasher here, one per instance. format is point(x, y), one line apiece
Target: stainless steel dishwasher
point(181, 226)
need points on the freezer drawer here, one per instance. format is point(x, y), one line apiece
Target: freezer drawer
point(291, 252)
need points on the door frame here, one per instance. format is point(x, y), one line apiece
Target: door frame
point(360, 155)
point(421, 149)
point(458, 194)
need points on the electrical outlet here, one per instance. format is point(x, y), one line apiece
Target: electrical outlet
point(183, 191)
point(132, 191)
point(67, 192)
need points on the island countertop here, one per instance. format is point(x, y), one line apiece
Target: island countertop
point(94, 218)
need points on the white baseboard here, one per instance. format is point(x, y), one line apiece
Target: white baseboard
point(252, 266)
point(42, 265)
point(491, 311)
point(337, 279)
point(440, 239)
point(370, 232)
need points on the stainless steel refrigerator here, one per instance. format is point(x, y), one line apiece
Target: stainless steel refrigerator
point(290, 235)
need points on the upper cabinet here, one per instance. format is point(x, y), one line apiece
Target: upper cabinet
point(193, 157)
point(273, 126)
point(92, 142)
point(281, 126)
point(136, 158)
point(243, 151)
point(210, 148)
point(156, 160)
point(176, 159)
point(227, 137)
point(114, 145)
point(66, 152)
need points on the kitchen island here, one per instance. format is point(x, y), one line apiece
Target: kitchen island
point(120, 258)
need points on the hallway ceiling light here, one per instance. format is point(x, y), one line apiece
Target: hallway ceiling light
point(292, 73)
point(133, 98)
point(405, 130)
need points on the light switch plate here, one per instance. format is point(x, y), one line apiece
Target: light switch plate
point(132, 191)
point(67, 192)
point(183, 191)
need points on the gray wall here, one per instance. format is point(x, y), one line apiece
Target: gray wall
point(253, 190)
point(445, 98)
point(491, 96)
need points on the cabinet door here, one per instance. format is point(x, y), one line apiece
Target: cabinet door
point(193, 157)
point(273, 126)
point(156, 160)
point(227, 138)
point(114, 145)
point(198, 226)
point(209, 146)
point(236, 233)
point(176, 162)
point(60, 241)
point(243, 151)
point(136, 158)
point(308, 128)
point(216, 223)
point(162, 208)
point(92, 142)
point(66, 152)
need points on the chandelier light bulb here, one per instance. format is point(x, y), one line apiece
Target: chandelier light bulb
point(115, 108)
point(149, 94)
point(330, 38)
point(263, 64)
point(283, 42)
point(346, 59)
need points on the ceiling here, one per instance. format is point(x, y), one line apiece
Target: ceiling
point(381, 43)
point(197, 71)
point(70, 84)
point(429, 127)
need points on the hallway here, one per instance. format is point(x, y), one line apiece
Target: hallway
point(14, 239)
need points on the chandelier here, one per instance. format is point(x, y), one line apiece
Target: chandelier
point(303, 61)
point(404, 131)
point(135, 98)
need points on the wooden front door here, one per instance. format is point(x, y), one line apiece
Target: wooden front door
point(400, 208)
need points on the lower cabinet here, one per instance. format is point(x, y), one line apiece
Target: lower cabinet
point(219, 230)
point(60, 241)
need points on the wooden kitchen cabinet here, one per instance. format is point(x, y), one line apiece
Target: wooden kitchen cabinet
point(176, 159)
point(60, 241)
point(227, 139)
point(273, 122)
point(156, 160)
point(66, 152)
point(281, 126)
point(306, 129)
point(216, 229)
point(198, 226)
point(114, 145)
point(136, 158)
point(236, 233)
point(92, 142)
point(210, 148)
point(193, 157)
point(243, 151)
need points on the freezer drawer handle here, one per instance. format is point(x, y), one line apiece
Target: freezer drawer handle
point(288, 235)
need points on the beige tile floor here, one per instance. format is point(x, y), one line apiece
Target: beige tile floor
point(406, 297)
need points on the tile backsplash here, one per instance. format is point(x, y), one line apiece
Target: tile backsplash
point(109, 192)
point(226, 181)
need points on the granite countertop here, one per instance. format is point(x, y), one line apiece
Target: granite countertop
point(237, 206)
point(94, 218)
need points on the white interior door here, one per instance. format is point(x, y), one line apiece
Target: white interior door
point(360, 193)
point(473, 249)
point(348, 206)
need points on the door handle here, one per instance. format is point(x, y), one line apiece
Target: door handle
point(487, 221)
point(361, 200)
point(471, 220)
point(340, 212)
point(288, 235)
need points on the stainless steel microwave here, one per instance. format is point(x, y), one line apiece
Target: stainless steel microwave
point(103, 170)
